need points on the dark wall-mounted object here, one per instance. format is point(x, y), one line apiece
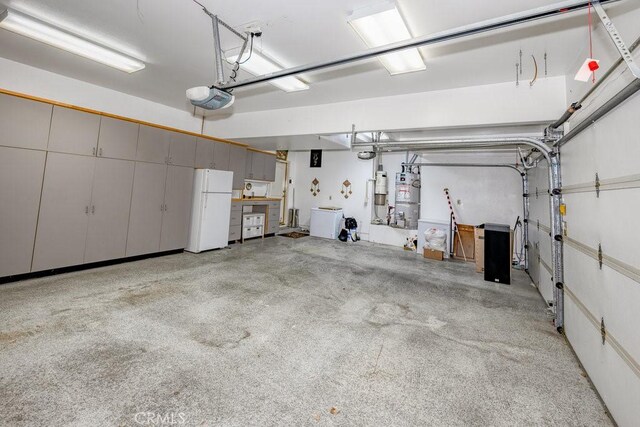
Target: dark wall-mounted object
point(315, 159)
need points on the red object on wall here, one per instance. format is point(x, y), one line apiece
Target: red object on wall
point(593, 65)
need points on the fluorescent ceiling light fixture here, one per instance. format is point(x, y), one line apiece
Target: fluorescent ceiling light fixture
point(259, 65)
point(62, 39)
point(383, 25)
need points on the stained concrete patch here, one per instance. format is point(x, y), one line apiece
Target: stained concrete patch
point(286, 332)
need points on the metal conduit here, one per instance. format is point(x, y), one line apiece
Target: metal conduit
point(552, 156)
point(525, 194)
point(456, 33)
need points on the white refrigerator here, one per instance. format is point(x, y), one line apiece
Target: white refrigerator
point(211, 211)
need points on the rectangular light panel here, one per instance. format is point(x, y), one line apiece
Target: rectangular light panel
point(259, 65)
point(383, 27)
point(56, 37)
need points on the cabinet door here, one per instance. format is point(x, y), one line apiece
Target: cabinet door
point(109, 211)
point(237, 156)
point(269, 167)
point(118, 139)
point(221, 156)
point(21, 173)
point(24, 123)
point(73, 131)
point(182, 150)
point(248, 169)
point(147, 200)
point(204, 153)
point(257, 166)
point(177, 211)
point(153, 145)
point(64, 211)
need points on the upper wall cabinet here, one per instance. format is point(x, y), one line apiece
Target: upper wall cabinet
point(237, 155)
point(24, 123)
point(248, 161)
point(260, 166)
point(221, 156)
point(118, 139)
point(153, 145)
point(204, 153)
point(74, 132)
point(182, 149)
point(269, 167)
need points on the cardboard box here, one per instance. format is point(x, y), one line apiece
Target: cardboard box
point(431, 254)
point(478, 238)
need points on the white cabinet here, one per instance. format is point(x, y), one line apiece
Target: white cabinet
point(253, 225)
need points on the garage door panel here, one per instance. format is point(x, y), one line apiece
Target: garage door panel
point(579, 159)
point(610, 220)
point(606, 293)
point(618, 385)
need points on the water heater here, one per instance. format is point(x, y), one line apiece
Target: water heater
point(381, 189)
point(407, 209)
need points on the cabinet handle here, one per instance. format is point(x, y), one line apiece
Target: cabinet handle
point(93, 210)
point(93, 151)
point(100, 152)
point(170, 162)
point(165, 208)
point(86, 210)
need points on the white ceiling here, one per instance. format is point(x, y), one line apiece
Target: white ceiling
point(174, 38)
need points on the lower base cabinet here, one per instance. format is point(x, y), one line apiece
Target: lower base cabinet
point(147, 206)
point(64, 211)
point(21, 173)
point(109, 212)
point(84, 213)
point(177, 208)
point(160, 208)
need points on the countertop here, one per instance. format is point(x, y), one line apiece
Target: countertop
point(258, 199)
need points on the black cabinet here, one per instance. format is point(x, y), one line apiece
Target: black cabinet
point(497, 253)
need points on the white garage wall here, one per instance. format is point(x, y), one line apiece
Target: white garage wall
point(487, 195)
point(611, 292)
point(27, 80)
point(500, 103)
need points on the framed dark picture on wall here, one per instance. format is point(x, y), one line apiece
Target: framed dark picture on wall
point(315, 160)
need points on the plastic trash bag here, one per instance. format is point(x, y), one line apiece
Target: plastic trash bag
point(435, 239)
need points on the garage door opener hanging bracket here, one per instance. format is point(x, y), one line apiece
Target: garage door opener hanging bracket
point(617, 39)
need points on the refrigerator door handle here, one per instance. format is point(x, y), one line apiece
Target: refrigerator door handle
point(206, 199)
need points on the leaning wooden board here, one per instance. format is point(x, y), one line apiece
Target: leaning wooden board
point(466, 233)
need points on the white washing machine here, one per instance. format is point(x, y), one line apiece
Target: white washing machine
point(325, 222)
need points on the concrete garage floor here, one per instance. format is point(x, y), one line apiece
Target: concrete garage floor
point(279, 332)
